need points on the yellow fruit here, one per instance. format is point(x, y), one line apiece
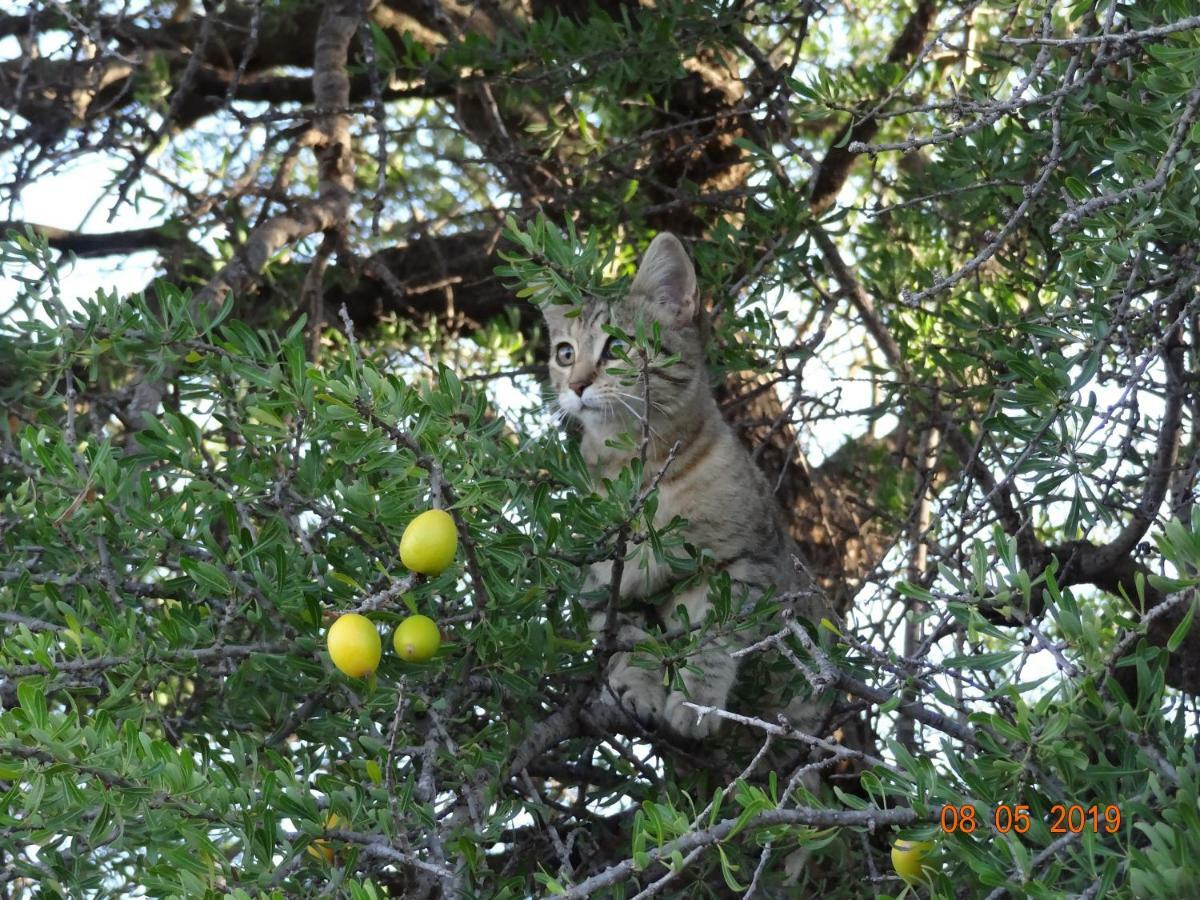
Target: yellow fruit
point(417, 639)
point(321, 848)
point(910, 860)
point(429, 542)
point(354, 645)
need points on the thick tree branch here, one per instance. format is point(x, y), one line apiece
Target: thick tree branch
point(430, 276)
point(270, 237)
point(835, 168)
point(859, 299)
point(57, 93)
point(84, 244)
point(1158, 476)
point(331, 91)
point(210, 92)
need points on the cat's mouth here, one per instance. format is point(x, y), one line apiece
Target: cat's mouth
point(576, 405)
point(590, 402)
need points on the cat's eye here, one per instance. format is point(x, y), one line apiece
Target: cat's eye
point(564, 354)
point(614, 348)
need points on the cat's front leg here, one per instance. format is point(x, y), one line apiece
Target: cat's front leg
point(639, 690)
point(641, 575)
point(708, 674)
point(708, 679)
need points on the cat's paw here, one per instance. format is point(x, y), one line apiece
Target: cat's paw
point(639, 691)
point(685, 721)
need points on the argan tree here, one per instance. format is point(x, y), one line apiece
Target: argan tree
point(950, 256)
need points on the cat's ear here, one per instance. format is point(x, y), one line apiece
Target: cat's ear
point(666, 279)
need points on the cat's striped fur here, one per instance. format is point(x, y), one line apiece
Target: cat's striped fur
point(712, 483)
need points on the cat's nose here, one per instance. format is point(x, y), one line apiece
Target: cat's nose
point(579, 387)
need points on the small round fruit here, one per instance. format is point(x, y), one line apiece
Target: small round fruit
point(354, 645)
point(429, 542)
point(910, 860)
point(320, 848)
point(417, 639)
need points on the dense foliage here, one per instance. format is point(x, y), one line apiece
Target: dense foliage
point(951, 257)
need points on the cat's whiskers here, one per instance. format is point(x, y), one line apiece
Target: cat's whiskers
point(642, 420)
point(654, 404)
point(557, 415)
point(555, 409)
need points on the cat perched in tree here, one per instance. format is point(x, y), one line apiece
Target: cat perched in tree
point(711, 483)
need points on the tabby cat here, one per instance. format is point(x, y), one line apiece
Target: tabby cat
point(712, 483)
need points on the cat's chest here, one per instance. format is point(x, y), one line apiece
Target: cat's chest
point(689, 497)
point(673, 502)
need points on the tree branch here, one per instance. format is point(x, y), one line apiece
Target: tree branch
point(1158, 478)
point(801, 815)
point(85, 245)
point(835, 168)
point(331, 91)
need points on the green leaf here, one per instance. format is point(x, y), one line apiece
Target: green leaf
point(266, 416)
point(982, 661)
point(207, 576)
point(374, 772)
point(727, 870)
point(1182, 629)
point(32, 697)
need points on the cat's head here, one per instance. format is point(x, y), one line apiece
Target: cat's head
point(585, 363)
